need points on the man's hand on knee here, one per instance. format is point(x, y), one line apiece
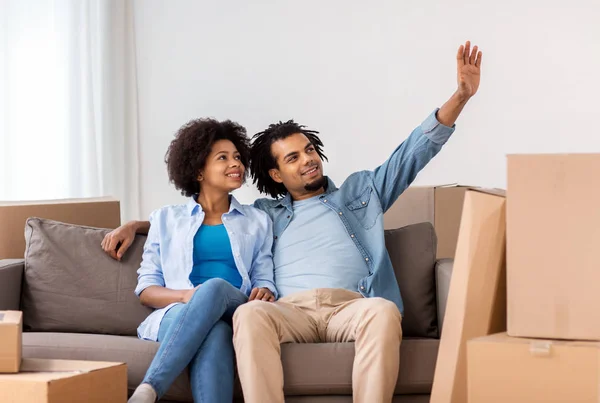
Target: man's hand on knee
point(261, 294)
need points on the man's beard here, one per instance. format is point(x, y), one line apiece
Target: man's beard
point(316, 185)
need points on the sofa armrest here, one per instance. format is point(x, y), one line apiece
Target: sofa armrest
point(11, 277)
point(443, 273)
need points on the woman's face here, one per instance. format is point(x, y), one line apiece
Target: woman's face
point(224, 169)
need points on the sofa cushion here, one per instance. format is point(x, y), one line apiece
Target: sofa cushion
point(326, 368)
point(71, 285)
point(412, 251)
point(309, 368)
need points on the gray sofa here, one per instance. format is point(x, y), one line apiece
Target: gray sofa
point(78, 303)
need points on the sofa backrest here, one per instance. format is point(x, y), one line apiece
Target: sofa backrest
point(71, 285)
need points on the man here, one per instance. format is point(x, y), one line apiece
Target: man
point(333, 273)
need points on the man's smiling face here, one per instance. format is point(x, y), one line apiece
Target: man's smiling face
point(299, 166)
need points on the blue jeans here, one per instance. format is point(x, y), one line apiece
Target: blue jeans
point(199, 334)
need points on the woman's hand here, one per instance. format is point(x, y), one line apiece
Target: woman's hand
point(188, 294)
point(261, 294)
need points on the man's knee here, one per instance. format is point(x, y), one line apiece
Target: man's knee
point(252, 316)
point(382, 314)
point(383, 307)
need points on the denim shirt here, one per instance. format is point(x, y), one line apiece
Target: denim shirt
point(363, 198)
point(167, 260)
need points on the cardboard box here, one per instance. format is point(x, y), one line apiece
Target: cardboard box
point(477, 297)
point(553, 224)
point(59, 381)
point(504, 369)
point(439, 205)
point(11, 328)
point(103, 212)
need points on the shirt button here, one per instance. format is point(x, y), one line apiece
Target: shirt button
point(352, 236)
point(340, 213)
point(275, 237)
point(362, 287)
point(288, 216)
point(364, 203)
point(325, 201)
point(366, 259)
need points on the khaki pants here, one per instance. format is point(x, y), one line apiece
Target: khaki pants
point(320, 315)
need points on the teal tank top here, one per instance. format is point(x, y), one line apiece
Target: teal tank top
point(213, 257)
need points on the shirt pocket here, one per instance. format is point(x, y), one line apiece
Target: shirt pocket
point(365, 208)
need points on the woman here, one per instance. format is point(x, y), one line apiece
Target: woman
point(201, 261)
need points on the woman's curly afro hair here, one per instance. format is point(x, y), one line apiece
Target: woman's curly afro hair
point(187, 153)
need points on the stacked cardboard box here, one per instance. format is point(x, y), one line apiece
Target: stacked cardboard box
point(53, 381)
point(58, 381)
point(11, 326)
point(551, 351)
point(476, 303)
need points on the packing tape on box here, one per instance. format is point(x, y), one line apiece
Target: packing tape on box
point(540, 348)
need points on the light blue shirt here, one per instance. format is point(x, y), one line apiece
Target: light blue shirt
point(362, 199)
point(306, 259)
point(213, 257)
point(167, 260)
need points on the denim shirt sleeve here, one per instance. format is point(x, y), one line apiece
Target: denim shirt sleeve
point(261, 273)
point(402, 167)
point(150, 271)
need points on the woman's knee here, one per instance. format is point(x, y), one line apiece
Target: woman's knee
point(216, 285)
point(213, 289)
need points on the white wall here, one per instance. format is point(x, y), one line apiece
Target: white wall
point(366, 73)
